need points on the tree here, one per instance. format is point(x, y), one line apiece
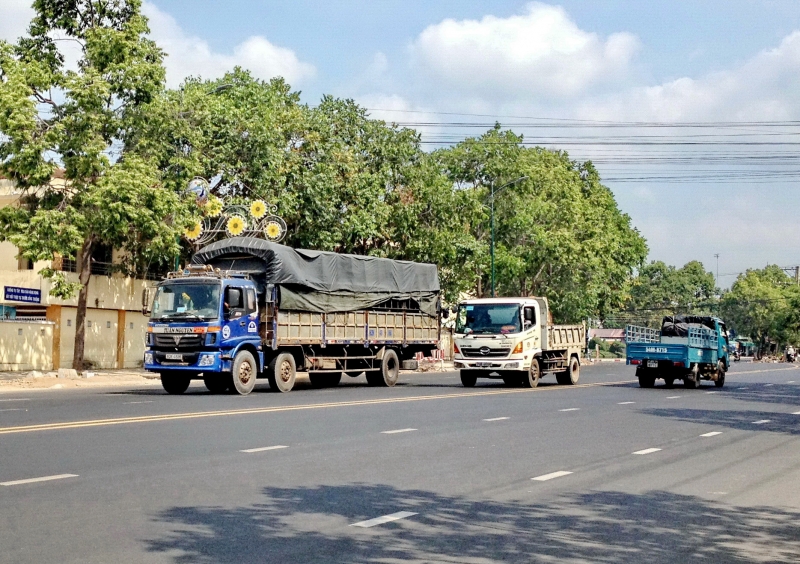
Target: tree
point(80, 116)
point(559, 232)
point(763, 305)
point(659, 289)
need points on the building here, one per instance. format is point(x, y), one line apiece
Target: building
point(607, 335)
point(37, 331)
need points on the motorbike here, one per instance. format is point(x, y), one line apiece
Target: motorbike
point(736, 356)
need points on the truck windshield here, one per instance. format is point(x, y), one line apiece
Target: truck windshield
point(190, 301)
point(488, 318)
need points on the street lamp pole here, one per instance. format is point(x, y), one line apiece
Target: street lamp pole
point(491, 214)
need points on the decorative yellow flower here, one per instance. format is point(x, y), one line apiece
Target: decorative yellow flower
point(213, 206)
point(193, 233)
point(235, 225)
point(273, 230)
point(258, 209)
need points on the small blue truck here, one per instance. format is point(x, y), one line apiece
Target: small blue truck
point(688, 347)
point(247, 308)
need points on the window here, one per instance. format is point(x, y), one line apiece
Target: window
point(530, 317)
point(108, 325)
point(131, 325)
point(251, 300)
point(69, 323)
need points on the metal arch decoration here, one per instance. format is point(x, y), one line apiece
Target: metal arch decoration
point(258, 219)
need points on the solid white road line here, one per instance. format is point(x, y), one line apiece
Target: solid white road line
point(14, 409)
point(34, 480)
point(571, 409)
point(626, 402)
point(673, 397)
point(647, 451)
point(712, 434)
point(16, 399)
point(384, 519)
point(761, 421)
point(397, 431)
point(262, 449)
point(497, 419)
point(551, 475)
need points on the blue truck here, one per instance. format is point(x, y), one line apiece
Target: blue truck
point(688, 347)
point(246, 308)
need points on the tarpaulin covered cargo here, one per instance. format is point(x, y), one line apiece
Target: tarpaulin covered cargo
point(325, 282)
point(678, 325)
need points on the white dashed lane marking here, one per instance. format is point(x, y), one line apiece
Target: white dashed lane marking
point(41, 479)
point(16, 399)
point(14, 409)
point(133, 402)
point(796, 413)
point(497, 419)
point(626, 402)
point(571, 409)
point(384, 519)
point(712, 434)
point(262, 449)
point(761, 421)
point(673, 397)
point(768, 385)
point(711, 392)
point(551, 475)
point(397, 431)
point(647, 451)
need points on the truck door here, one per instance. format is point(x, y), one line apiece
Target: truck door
point(241, 316)
point(529, 327)
point(723, 346)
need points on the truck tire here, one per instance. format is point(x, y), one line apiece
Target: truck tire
point(720, 381)
point(571, 375)
point(174, 384)
point(325, 380)
point(469, 378)
point(281, 373)
point(390, 368)
point(531, 380)
point(647, 381)
point(216, 383)
point(244, 373)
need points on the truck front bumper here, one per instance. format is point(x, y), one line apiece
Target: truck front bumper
point(196, 363)
point(489, 364)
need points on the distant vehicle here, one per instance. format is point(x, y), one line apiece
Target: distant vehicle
point(514, 339)
point(790, 354)
point(689, 348)
point(247, 308)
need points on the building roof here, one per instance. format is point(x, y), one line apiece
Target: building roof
point(607, 333)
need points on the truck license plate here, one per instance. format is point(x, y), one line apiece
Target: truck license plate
point(483, 364)
point(650, 363)
point(173, 356)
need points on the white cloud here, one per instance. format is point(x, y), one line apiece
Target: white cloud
point(14, 18)
point(765, 87)
point(189, 55)
point(540, 53)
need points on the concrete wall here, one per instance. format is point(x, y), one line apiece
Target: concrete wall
point(26, 345)
point(114, 339)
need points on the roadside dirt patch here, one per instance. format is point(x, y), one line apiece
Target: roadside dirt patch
point(14, 381)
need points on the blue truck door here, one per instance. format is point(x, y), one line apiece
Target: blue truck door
point(722, 339)
point(241, 321)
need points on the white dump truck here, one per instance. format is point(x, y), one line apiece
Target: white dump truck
point(515, 339)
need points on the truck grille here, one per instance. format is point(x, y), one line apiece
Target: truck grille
point(484, 352)
point(178, 342)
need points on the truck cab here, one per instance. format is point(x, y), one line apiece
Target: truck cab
point(513, 339)
point(204, 324)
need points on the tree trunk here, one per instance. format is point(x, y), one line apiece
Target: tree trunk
point(84, 272)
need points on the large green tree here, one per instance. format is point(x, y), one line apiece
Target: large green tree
point(763, 304)
point(79, 116)
point(558, 230)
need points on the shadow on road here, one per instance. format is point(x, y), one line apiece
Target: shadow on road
point(311, 525)
point(743, 420)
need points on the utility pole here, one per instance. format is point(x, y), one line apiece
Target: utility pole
point(491, 213)
point(716, 280)
point(797, 274)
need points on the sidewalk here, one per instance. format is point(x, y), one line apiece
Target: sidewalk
point(13, 381)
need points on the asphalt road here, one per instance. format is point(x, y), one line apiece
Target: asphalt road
point(427, 471)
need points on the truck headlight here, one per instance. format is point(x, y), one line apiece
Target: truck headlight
point(206, 360)
point(148, 358)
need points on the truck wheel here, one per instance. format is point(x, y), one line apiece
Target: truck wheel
point(468, 378)
point(281, 373)
point(243, 375)
point(216, 382)
point(571, 374)
point(174, 384)
point(720, 381)
point(532, 378)
point(647, 381)
point(390, 368)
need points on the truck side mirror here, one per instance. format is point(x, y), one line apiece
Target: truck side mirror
point(145, 301)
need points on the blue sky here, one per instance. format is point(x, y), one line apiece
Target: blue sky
point(618, 61)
